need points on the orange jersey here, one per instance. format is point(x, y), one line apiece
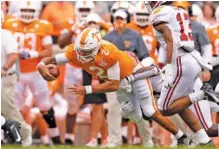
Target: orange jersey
point(148, 37)
point(29, 37)
point(213, 34)
point(67, 24)
point(56, 13)
point(107, 56)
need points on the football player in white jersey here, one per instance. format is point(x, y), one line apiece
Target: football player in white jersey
point(173, 30)
point(156, 77)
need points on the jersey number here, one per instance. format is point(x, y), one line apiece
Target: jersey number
point(184, 36)
point(148, 41)
point(25, 41)
point(100, 71)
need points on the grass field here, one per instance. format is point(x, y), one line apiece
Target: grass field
point(73, 147)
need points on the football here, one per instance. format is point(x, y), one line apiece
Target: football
point(54, 71)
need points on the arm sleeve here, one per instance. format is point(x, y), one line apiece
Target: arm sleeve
point(11, 45)
point(141, 50)
point(146, 74)
point(114, 72)
point(162, 55)
point(61, 58)
point(160, 15)
point(207, 52)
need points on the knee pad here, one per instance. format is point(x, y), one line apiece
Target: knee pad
point(148, 110)
point(50, 118)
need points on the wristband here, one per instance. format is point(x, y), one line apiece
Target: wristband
point(33, 54)
point(88, 89)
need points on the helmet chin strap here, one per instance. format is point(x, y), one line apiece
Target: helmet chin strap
point(90, 58)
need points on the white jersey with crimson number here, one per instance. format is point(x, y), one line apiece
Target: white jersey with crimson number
point(178, 22)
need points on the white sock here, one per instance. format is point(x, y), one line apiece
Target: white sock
point(196, 96)
point(45, 139)
point(179, 134)
point(202, 137)
point(53, 132)
point(217, 89)
point(2, 121)
point(70, 136)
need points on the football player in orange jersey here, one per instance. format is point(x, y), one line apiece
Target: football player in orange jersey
point(69, 32)
point(142, 25)
point(102, 59)
point(35, 42)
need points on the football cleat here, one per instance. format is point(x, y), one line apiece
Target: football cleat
point(210, 94)
point(210, 144)
point(184, 140)
point(12, 131)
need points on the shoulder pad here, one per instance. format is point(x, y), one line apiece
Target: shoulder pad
point(45, 26)
point(161, 14)
point(10, 23)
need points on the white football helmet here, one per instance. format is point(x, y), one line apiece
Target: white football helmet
point(151, 5)
point(124, 5)
point(28, 11)
point(141, 15)
point(87, 44)
point(217, 14)
point(93, 17)
point(83, 8)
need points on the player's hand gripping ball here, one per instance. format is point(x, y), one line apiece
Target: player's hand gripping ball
point(54, 71)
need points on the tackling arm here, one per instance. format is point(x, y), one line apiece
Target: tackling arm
point(108, 86)
point(146, 72)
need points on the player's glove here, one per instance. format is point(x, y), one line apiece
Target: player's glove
point(130, 78)
point(24, 55)
point(168, 75)
point(125, 85)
